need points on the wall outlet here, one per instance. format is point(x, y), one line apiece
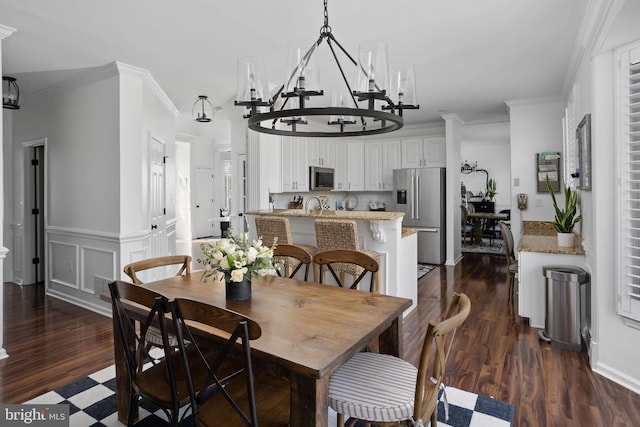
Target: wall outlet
point(538, 202)
point(516, 182)
point(100, 285)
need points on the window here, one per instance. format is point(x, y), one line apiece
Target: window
point(629, 152)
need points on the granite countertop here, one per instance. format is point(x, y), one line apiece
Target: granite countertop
point(408, 232)
point(366, 215)
point(548, 244)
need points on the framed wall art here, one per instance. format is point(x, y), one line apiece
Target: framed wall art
point(583, 141)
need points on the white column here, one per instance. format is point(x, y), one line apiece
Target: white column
point(453, 132)
point(4, 32)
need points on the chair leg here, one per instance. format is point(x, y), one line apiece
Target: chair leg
point(340, 420)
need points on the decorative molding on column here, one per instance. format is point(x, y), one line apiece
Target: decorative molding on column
point(377, 229)
point(253, 170)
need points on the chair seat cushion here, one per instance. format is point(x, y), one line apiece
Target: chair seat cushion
point(375, 387)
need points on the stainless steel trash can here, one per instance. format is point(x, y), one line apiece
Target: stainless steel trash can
point(567, 306)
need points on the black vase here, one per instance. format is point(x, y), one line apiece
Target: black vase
point(238, 291)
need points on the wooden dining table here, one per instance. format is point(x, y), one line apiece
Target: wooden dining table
point(308, 331)
point(484, 219)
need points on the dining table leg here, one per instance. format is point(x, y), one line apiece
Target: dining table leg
point(391, 339)
point(309, 400)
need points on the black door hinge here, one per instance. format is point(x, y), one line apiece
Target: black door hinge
point(35, 211)
point(34, 162)
point(164, 211)
point(36, 260)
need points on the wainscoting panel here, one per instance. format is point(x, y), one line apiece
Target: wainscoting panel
point(63, 264)
point(97, 263)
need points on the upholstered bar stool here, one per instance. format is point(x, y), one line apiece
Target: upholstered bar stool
point(341, 234)
point(269, 228)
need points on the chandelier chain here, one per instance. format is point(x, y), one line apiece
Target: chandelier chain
point(325, 28)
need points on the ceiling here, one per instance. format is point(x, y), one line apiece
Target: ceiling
point(470, 56)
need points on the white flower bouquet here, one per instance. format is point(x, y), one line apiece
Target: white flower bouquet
point(236, 259)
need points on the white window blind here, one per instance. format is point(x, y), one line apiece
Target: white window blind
point(629, 151)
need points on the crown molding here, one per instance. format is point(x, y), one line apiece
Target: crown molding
point(6, 31)
point(112, 69)
point(532, 101)
point(146, 76)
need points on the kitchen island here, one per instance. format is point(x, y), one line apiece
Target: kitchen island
point(378, 231)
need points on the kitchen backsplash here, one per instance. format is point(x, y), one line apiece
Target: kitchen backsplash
point(360, 201)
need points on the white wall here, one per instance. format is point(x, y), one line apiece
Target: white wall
point(97, 128)
point(536, 126)
point(489, 145)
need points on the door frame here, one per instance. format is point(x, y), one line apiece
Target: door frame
point(28, 227)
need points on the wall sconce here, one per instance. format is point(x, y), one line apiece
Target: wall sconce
point(202, 110)
point(10, 93)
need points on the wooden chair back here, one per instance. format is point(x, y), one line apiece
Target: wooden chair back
point(156, 381)
point(183, 260)
point(431, 369)
point(331, 258)
point(507, 237)
point(217, 381)
point(302, 256)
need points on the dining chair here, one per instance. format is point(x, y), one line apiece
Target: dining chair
point(225, 388)
point(294, 252)
point(345, 258)
point(389, 391)
point(334, 234)
point(277, 229)
point(467, 226)
point(512, 261)
point(159, 382)
point(183, 261)
point(184, 266)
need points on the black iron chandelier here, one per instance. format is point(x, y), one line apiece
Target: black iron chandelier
point(285, 113)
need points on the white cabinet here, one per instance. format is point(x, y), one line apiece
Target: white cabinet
point(355, 166)
point(423, 152)
point(381, 158)
point(340, 179)
point(295, 168)
point(391, 159)
point(373, 166)
point(321, 152)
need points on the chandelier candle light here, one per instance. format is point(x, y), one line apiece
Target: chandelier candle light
point(286, 112)
point(202, 110)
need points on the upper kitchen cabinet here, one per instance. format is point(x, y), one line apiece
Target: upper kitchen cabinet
point(340, 179)
point(295, 166)
point(380, 159)
point(355, 166)
point(423, 152)
point(321, 152)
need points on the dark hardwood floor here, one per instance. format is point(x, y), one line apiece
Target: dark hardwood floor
point(496, 353)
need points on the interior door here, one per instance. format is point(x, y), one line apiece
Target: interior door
point(204, 203)
point(157, 238)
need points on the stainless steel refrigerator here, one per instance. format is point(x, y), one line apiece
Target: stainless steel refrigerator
point(420, 194)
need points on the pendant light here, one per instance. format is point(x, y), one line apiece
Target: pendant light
point(10, 93)
point(202, 110)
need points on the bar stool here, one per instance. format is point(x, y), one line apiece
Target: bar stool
point(270, 228)
point(334, 234)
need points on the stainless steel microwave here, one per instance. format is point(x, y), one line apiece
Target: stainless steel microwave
point(320, 178)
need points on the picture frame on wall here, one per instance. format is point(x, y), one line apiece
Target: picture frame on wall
point(583, 140)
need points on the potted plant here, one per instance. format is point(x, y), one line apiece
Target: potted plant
point(491, 189)
point(565, 219)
